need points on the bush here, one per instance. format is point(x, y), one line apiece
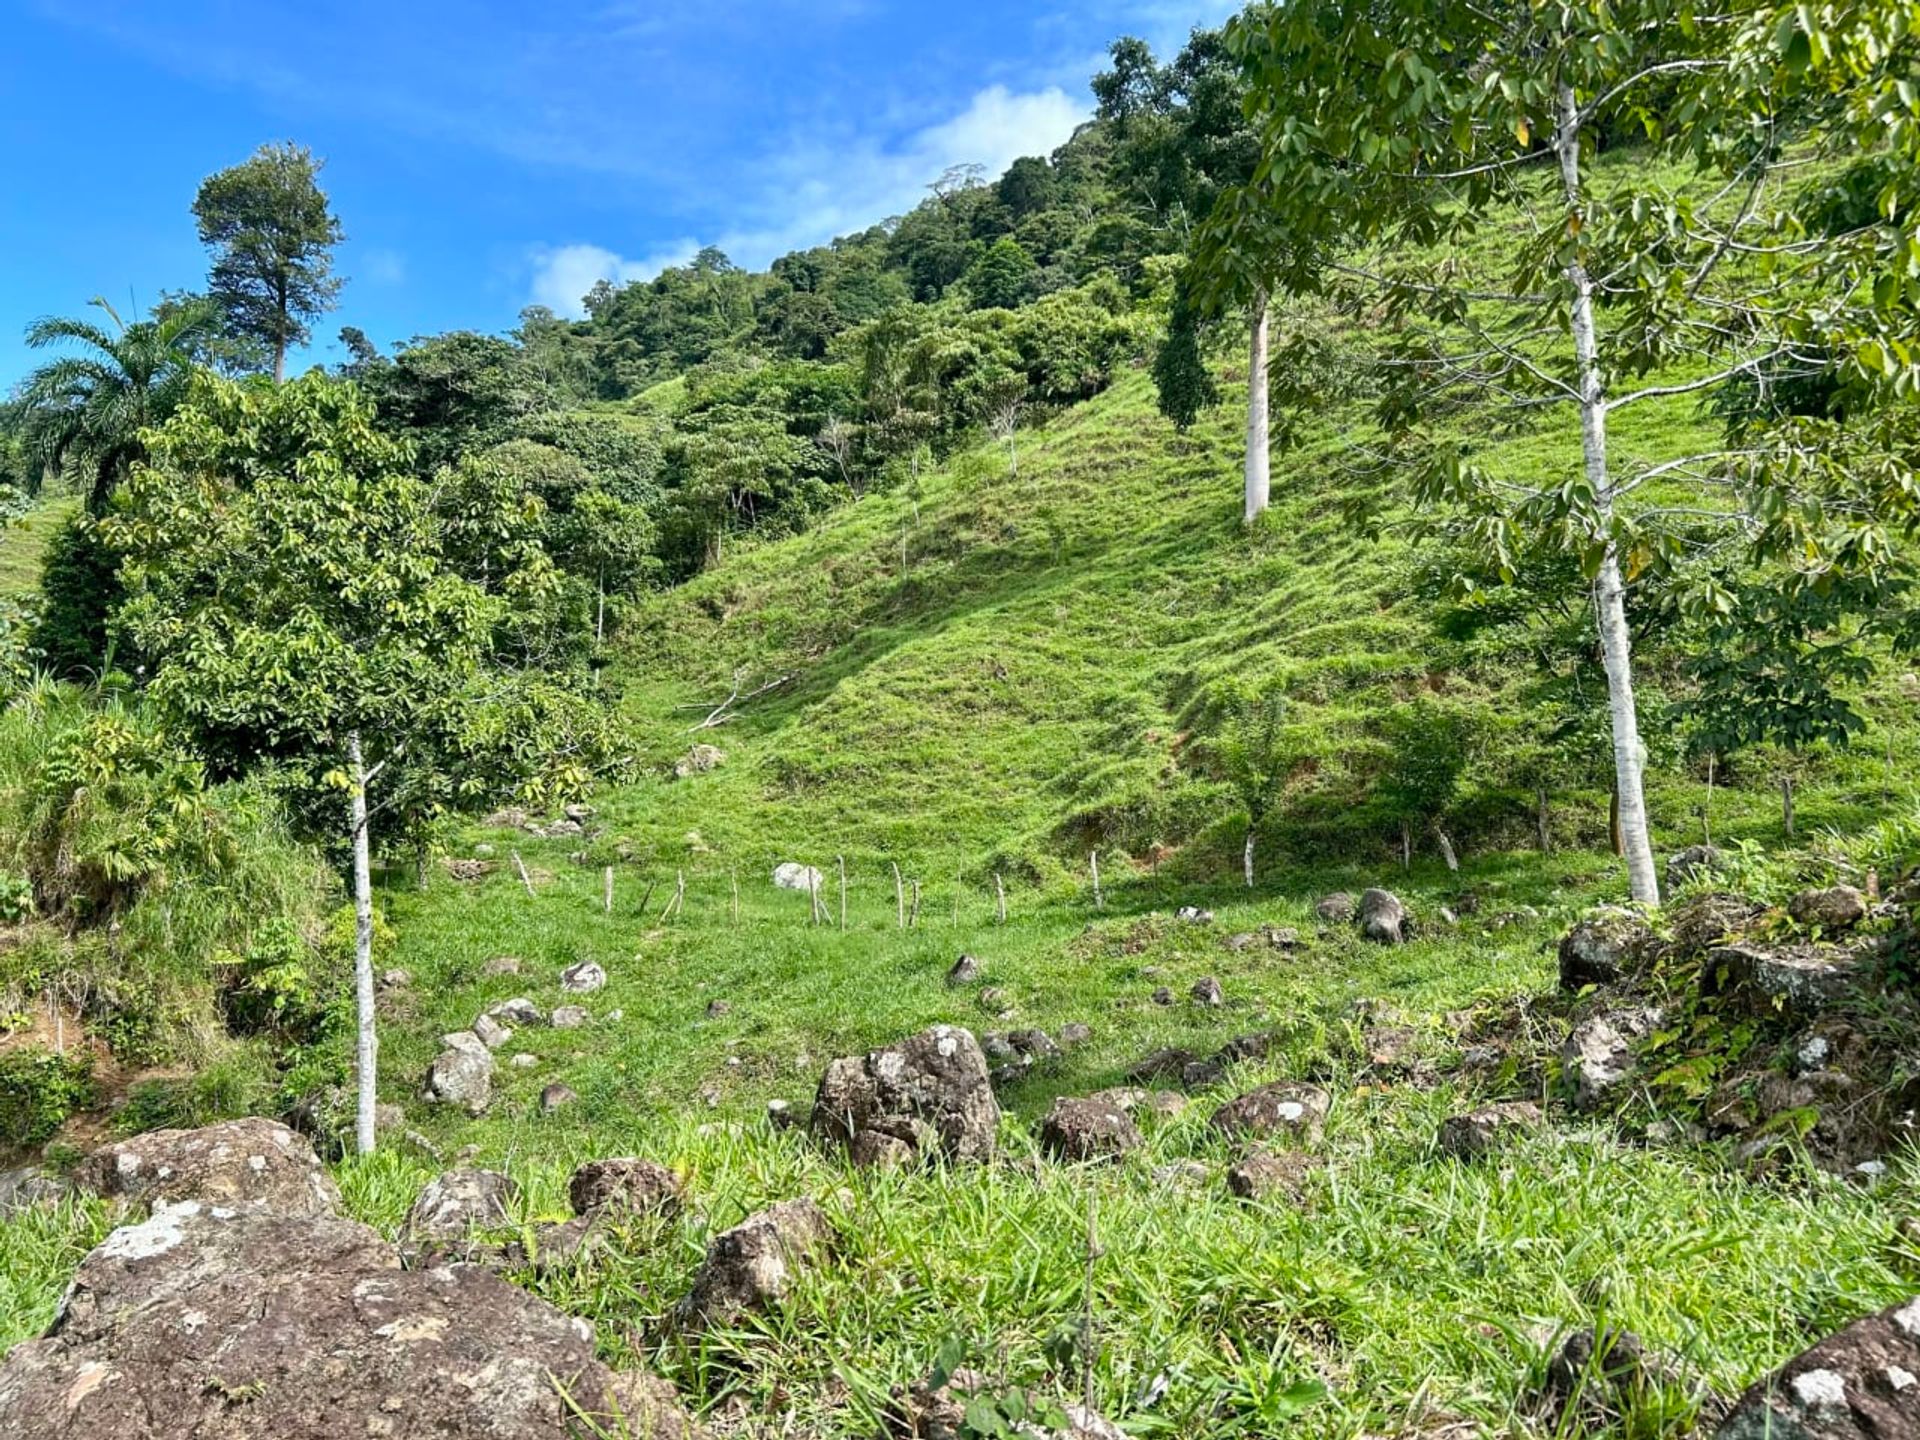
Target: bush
point(79, 587)
point(38, 1090)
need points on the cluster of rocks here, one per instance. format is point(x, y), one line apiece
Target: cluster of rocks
point(463, 1072)
point(572, 820)
point(1379, 915)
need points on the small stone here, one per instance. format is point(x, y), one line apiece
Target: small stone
point(1265, 1174)
point(995, 999)
point(1479, 1132)
point(462, 1074)
point(717, 1008)
point(965, 971)
point(1696, 862)
point(1194, 915)
point(1597, 1058)
point(524, 1061)
point(1182, 1174)
point(518, 1011)
point(1208, 994)
point(1163, 996)
point(754, 1265)
point(1836, 908)
point(1073, 1033)
point(395, 979)
point(569, 1017)
point(491, 1032)
point(501, 965)
point(781, 1115)
point(1600, 949)
point(557, 1096)
point(582, 978)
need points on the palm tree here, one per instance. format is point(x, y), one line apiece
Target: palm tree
point(85, 412)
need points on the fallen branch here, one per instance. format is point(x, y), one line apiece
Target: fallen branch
point(727, 709)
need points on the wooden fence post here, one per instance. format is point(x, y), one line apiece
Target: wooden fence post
point(841, 861)
point(606, 890)
point(521, 866)
point(1099, 900)
point(1000, 893)
point(899, 898)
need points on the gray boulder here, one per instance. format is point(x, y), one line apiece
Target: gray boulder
point(931, 1092)
point(557, 1095)
point(1208, 994)
point(756, 1264)
point(1272, 1175)
point(461, 1074)
point(1597, 1057)
point(1602, 948)
point(624, 1185)
point(1383, 919)
point(249, 1164)
point(1286, 1109)
point(451, 1211)
point(792, 875)
point(583, 977)
point(491, 1032)
point(569, 1017)
point(30, 1188)
point(1089, 1128)
point(1335, 909)
point(518, 1011)
point(1836, 908)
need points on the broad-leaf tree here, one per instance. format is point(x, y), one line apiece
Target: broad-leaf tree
point(286, 581)
point(1391, 137)
point(272, 235)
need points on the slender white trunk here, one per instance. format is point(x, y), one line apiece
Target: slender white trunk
point(1257, 458)
point(1446, 850)
point(367, 1051)
point(1610, 591)
point(1246, 858)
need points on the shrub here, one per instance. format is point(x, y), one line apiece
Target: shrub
point(38, 1090)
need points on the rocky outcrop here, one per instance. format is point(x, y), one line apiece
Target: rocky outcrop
point(210, 1323)
point(1089, 1128)
point(1696, 862)
point(754, 1265)
point(1286, 1109)
point(930, 1092)
point(1799, 980)
point(243, 1164)
point(1862, 1383)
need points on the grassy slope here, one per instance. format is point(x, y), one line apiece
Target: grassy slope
point(23, 544)
point(988, 674)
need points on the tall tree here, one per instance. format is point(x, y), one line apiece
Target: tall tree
point(1391, 136)
point(286, 582)
point(272, 235)
point(85, 412)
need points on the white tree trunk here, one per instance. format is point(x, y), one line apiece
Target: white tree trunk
point(1610, 593)
point(1257, 457)
point(367, 1050)
point(1246, 858)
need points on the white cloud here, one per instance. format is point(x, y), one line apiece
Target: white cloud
point(818, 187)
point(563, 274)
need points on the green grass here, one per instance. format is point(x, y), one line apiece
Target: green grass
point(24, 543)
point(990, 676)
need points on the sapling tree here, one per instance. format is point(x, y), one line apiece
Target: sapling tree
point(1391, 137)
point(1428, 745)
point(285, 579)
point(1254, 753)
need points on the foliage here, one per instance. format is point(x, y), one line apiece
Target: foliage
point(38, 1090)
point(85, 414)
point(79, 589)
point(272, 235)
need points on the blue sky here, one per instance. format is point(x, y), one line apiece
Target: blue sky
point(485, 156)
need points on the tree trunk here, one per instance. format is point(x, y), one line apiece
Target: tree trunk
point(1541, 817)
point(367, 1049)
point(1246, 858)
point(1446, 850)
point(1257, 459)
point(1406, 846)
point(1610, 593)
point(280, 361)
point(1786, 803)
